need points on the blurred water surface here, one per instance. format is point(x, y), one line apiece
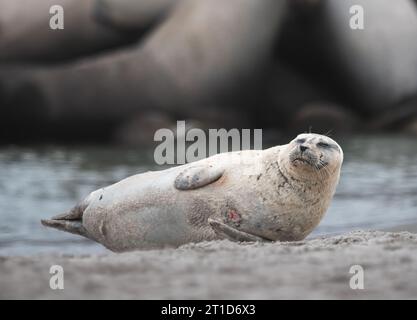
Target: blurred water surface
point(378, 189)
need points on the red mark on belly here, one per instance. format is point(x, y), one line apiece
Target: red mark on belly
point(233, 215)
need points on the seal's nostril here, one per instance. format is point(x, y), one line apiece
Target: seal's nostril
point(303, 148)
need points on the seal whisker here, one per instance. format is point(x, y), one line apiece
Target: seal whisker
point(326, 170)
point(318, 172)
point(328, 133)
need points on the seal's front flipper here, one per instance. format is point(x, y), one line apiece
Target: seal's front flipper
point(233, 234)
point(197, 176)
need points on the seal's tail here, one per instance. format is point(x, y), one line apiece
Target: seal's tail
point(70, 221)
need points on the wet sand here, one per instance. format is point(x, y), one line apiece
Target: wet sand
point(311, 269)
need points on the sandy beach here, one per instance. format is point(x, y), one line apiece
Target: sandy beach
point(310, 269)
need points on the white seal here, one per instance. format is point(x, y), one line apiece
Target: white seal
point(279, 193)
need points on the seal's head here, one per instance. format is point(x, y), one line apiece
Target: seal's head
point(312, 154)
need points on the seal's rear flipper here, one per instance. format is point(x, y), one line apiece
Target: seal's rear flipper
point(70, 222)
point(233, 234)
point(72, 226)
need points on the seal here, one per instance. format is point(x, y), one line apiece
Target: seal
point(276, 194)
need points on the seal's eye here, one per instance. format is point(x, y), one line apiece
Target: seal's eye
point(323, 145)
point(300, 140)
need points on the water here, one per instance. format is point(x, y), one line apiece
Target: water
point(378, 189)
